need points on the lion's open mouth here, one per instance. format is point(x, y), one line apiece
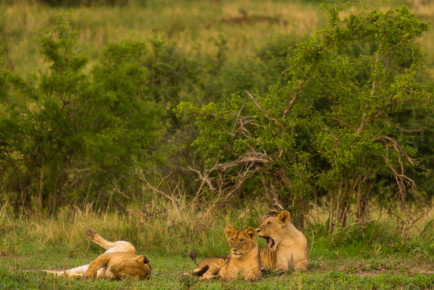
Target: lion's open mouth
point(270, 242)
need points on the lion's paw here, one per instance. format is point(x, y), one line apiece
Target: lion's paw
point(91, 234)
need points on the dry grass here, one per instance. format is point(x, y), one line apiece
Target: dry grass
point(190, 25)
point(422, 216)
point(170, 224)
point(194, 26)
point(424, 9)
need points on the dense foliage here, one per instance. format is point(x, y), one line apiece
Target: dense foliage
point(71, 133)
point(337, 116)
point(331, 127)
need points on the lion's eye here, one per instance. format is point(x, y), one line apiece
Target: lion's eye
point(241, 241)
point(232, 240)
point(268, 223)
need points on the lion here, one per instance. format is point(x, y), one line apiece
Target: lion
point(243, 259)
point(120, 260)
point(286, 246)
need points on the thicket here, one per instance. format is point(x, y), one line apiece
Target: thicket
point(340, 119)
point(332, 129)
point(79, 134)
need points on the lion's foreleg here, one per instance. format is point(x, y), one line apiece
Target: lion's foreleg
point(254, 274)
point(96, 264)
point(282, 265)
point(301, 266)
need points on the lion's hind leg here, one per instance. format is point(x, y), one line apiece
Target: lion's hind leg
point(111, 247)
point(76, 272)
point(208, 268)
point(70, 273)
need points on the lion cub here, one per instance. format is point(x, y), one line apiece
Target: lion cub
point(120, 260)
point(243, 259)
point(286, 246)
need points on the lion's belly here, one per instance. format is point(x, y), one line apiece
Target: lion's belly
point(104, 273)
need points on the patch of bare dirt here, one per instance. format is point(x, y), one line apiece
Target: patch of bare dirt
point(249, 19)
point(409, 267)
point(12, 257)
point(419, 268)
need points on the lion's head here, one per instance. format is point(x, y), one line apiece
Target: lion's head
point(241, 241)
point(271, 228)
point(137, 267)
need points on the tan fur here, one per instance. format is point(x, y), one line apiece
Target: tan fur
point(243, 259)
point(267, 258)
point(289, 247)
point(120, 260)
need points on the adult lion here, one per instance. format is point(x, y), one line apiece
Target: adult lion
point(120, 260)
point(243, 260)
point(286, 246)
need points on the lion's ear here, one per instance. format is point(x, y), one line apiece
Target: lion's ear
point(142, 259)
point(283, 217)
point(146, 259)
point(229, 231)
point(250, 232)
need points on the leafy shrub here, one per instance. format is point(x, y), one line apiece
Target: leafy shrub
point(327, 128)
point(73, 132)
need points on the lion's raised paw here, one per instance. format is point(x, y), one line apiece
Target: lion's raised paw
point(91, 234)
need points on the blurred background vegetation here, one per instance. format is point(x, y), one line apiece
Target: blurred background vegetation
point(89, 92)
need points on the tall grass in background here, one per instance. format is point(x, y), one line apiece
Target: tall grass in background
point(171, 225)
point(191, 24)
point(168, 227)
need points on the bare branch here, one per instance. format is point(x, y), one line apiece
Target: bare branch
point(204, 177)
point(398, 148)
point(292, 100)
point(225, 185)
point(363, 123)
point(249, 157)
point(403, 129)
point(268, 116)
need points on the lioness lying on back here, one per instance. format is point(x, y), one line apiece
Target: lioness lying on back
point(243, 260)
point(120, 260)
point(286, 246)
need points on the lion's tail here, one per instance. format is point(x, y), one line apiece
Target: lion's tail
point(193, 257)
point(201, 271)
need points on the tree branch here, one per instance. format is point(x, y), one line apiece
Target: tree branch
point(403, 129)
point(268, 116)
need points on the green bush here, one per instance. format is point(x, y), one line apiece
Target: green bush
point(328, 128)
point(71, 133)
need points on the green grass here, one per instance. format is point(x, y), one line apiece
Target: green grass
point(194, 26)
point(168, 272)
point(376, 257)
